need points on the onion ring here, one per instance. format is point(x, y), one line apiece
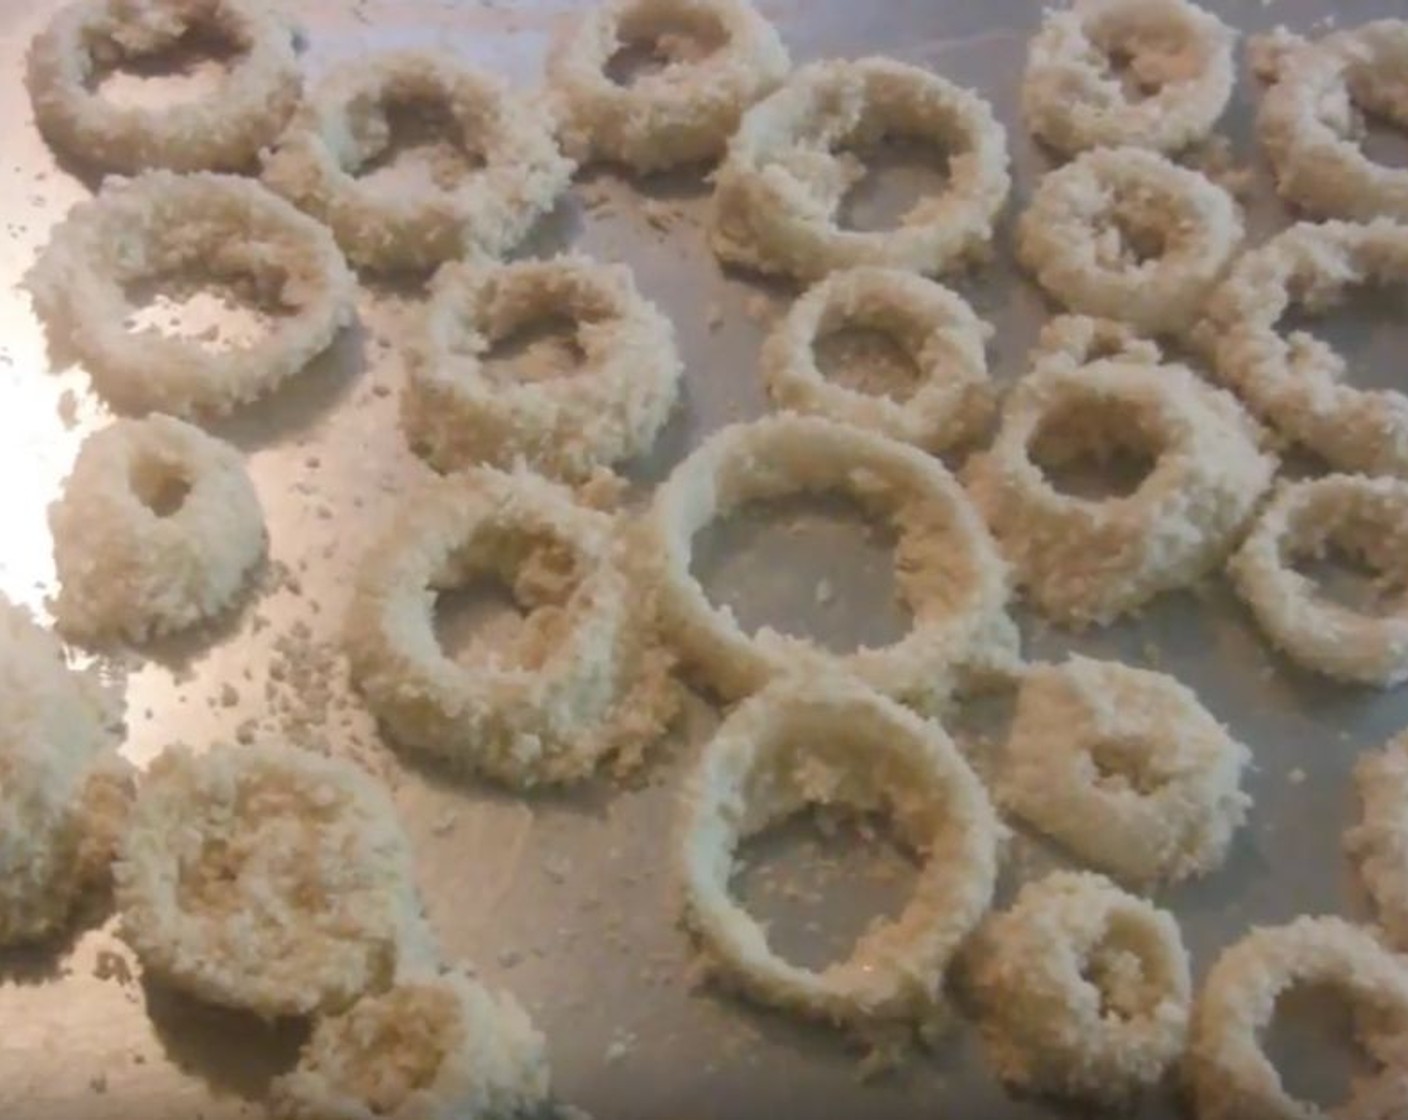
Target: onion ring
point(777, 192)
point(584, 681)
point(1367, 517)
point(1124, 768)
point(608, 411)
point(935, 326)
point(948, 568)
point(683, 114)
point(1179, 53)
point(1084, 560)
point(222, 130)
point(1230, 1075)
point(1083, 990)
point(830, 740)
point(129, 564)
point(1126, 234)
point(266, 878)
point(343, 126)
point(1073, 341)
point(1380, 841)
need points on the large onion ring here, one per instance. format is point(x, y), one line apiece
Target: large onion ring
point(1379, 841)
point(344, 124)
point(948, 568)
point(1085, 235)
point(129, 565)
point(1230, 1075)
point(777, 193)
point(1083, 990)
point(585, 679)
point(1084, 560)
point(935, 326)
point(830, 740)
point(608, 411)
point(1124, 768)
point(222, 130)
point(1366, 517)
point(683, 114)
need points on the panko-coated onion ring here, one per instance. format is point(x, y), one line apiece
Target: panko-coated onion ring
point(830, 740)
point(948, 569)
point(1124, 768)
point(435, 1047)
point(1228, 1071)
point(1083, 560)
point(1179, 53)
point(221, 130)
point(609, 410)
point(778, 191)
point(1085, 234)
point(683, 114)
point(128, 564)
point(1364, 517)
point(343, 125)
point(162, 224)
point(585, 679)
point(1083, 990)
point(1379, 842)
point(935, 326)
point(266, 878)
point(1073, 341)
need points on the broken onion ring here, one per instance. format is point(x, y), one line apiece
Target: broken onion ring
point(1380, 840)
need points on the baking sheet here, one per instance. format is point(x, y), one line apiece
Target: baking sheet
point(567, 899)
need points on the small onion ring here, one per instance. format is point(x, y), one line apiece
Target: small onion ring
point(608, 411)
point(777, 192)
point(1367, 517)
point(221, 130)
point(130, 567)
point(683, 114)
point(1083, 991)
point(1379, 842)
point(830, 740)
point(933, 324)
point(1075, 237)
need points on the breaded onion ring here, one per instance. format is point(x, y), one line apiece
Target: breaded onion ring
point(1125, 234)
point(934, 325)
point(343, 125)
point(266, 878)
point(1179, 54)
point(158, 528)
point(947, 567)
point(221, 130)
point(1379, 842)
point(1124, 768)
point(830, 740)
point(1228, 1071)
point(219, 226)
point(435, 1047)
point(1072, 341)
point(683, 114)
point(1083, 990)
point(1366, 518)
point(608, 411)
point(1311, 122)
point(585, 678)
point(1083, 560)
point(777, 193)
point(1295, 381)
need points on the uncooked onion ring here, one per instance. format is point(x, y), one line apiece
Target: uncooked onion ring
point(1083, 990)
point(609, 410)
point(1379, 842)
point(1366, 518)
point(933, 325)
point(343, 126)
point(683, 114)
point(1126, 234)
point(1072, 341)
point(778, 191)
point(1125, 768)
point(1084, 560)
point(221, 130)
point(158, 528)
point(827, 740)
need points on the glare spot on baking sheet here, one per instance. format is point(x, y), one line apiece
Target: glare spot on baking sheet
point(219, 316)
